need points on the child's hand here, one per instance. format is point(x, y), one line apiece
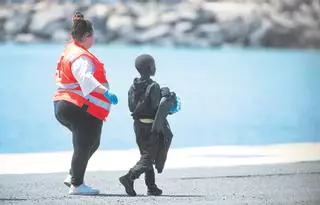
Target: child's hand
point(177, 106)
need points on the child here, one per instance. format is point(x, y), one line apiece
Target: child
point(149, 105)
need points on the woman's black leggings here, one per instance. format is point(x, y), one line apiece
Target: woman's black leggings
point(86, 134)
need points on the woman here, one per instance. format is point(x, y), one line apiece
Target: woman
point(82, 101)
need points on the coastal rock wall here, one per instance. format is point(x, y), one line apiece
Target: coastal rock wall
point(253, 23)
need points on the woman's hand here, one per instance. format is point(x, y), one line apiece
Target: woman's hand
point(111, 97)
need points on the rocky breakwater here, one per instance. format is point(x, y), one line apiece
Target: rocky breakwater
point(255, 23)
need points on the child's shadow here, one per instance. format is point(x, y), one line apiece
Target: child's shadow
point(140, 195)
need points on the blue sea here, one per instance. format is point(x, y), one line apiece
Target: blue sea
point(230, 96)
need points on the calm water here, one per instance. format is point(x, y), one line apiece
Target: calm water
point(229, 97)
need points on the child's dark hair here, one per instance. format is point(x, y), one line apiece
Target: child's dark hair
point(80, 26)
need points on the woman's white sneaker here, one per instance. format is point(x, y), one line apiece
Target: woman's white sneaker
point(83, 190)
point(67, 181)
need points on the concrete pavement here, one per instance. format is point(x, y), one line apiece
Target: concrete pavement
point(295, 183)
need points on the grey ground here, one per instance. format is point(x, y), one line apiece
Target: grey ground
point(269, 184)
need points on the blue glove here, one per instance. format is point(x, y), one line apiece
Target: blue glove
point(177, 106)
point(111, 97)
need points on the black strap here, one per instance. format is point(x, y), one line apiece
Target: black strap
point(143, 99)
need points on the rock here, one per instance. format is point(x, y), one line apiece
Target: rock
point(17, 23)
point(256, 37)
point(306, 9)
point(212, 32)
point(148, 20)
point(227, 11)
point(156, 32)
point(98, 14)
point(41, 6)
point(205, 29)
point(187, 14)
point(26, 38)
point(4, 15)
point(60, 36)
point(254, 22)
point(278, 36)
point(311, 38)
point(282, 21)
point(164, 41)
point(135, 9)
point(100, 37)
point(191, 40)
point(44, 22)
point(51, 28)
point(2, 36)
point(204, 16)
point(235, 31)
point(183, 40)
point(124, 9)
point(183, 27)
point(316, 9)
point(110, 35)
point(117, 22)
point(285, 23)
point(303, 21)
point(118, 26)
point(200, 42)
point(289, 5)
point(169, 17)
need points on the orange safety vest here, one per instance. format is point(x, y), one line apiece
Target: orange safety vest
point(69, 89)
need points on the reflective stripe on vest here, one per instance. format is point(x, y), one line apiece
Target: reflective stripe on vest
point(90, 98)
point(67, 85)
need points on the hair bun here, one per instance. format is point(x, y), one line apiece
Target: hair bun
point(77, 16)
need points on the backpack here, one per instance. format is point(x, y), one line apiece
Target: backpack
point(134, 105)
